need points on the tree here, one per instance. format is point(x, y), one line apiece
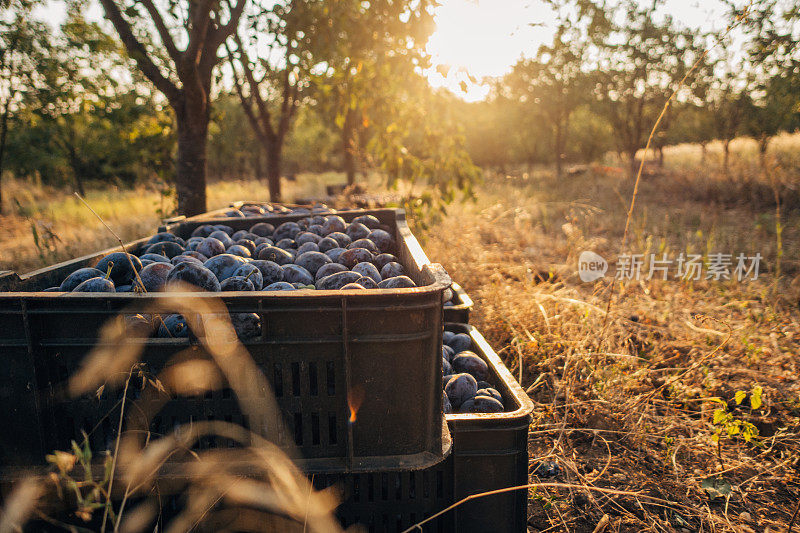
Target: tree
point(183, 76)
point(24, 44)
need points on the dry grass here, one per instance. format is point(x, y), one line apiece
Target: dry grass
point(628, 409)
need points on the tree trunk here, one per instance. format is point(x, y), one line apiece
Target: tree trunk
point(634, 166)
point(763, 145)
point(258, 165)
point(703, 152)
point(273, 151)
point(660, 150)
point(726, 157)
point(3, 135)
point(190, 179)
point(77, 167)
point(349, 146)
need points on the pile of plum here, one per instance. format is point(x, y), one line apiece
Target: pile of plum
point(259, 210)
point(464, 378)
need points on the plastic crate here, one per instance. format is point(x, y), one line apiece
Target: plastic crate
point(490, 451)
point(460, 308)
point(220, 213)
point(314, 348)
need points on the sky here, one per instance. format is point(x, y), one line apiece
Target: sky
point(476, 39)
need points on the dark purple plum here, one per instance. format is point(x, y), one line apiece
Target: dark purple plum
point(306, 236)
point(382, 260)
point(287, 244)
point(447, 408)
point(167, 249)
point(183, 258)
point(252, 273)
point(238, 249)
point(145, 262)
point(484, 385)
point(382, 239)
point(460, 388)
point(397, 282)
point(262, 240)
point(203, 231)
point(460, 342)
point(353, 286)
point(307, 247)
point(197, 255)
point(489, 391)
point(222, 237)
point(448, 352)
point(297, 274)
point(156, 258)
point(368, 270)
point(328, 269)
point(124, 288)
point(223, 227)
point(327, 244)
point(392, 270)
point(486, 404)
point(276, 255)
point(210, 247)
point(312, 261)
point(470, 363)
point(280, 286)
point(246, 325)
point(234, 213)
point(370, 221)
point(366, 244)
point(357, 231)
point(236, 283)
point(467, 406)
point(195, 275)
point(78, 277)
point(353, 256)
point(240, 234)
point(447, 336)
point(334, 223)
point(447, 369)
point(172, 327)
point(368, 283)
point(121, 272)
point(337, 281)
point(165, 237)
point(341, 238)
point(262, 229)
point(154, 276)
point(335, 253)
point(138, 326)
point(96, 285)
point(271, 272)
point(287, 230)
point(316, 229)
point(224, 265)
point(247, 243)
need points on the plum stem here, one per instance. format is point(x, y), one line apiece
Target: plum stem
point(110, 268)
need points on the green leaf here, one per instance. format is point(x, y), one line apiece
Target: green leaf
point(755, 397)
point(740, 396)
point(720, 415)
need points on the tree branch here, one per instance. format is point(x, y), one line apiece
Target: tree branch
point(163, 32)
point(245, 101)
point(138, 52)
point(198, 36)
point(263, 110)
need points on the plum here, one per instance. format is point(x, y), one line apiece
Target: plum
point(297, 274)
point(246, 325)
point(392, 270)
point(307, 247)
point(224, 265)
point(467, 406)
point(280, 286)
point(306, 236)
point(197, 255)
point(312, 261)
point(121, 271)
point(238, 249)
point(333, 224)
point(252, 273)
point(286, 244)
point(486, 404)
point(157, 258)
point(287, 230)
point(234, 213)
point(172, 327)
point(236, 283)
point(447, 407)
point(79, 276)
point(98, 284)
point(367, 283)
point(222, 227)
point(341, 238)
point(203, 231)
point(335, 253)
point(489, 391)
point(138, 325)
point(262, 240)
point(276, 255)
point(382, 260)
point(357, 231)
point(222, 237)
point(262, 229)
point(370, 221)
point(210, 247)
point(145, 262)
point(328, 269)
point(164, 236)
point(196, 275)
point(154, 276)
point(167, 249)
point(460, 342)
point(397, 282)
point(178, 259)
point(366, 244)
point(327, 244)
point(446, 367)
point(469, 362)
point(247, 243)
point(447, 352)
point(484, 385)
point(353, 286)
point(316, 229)
point(447, 336)
point(240, 234)
point(460, 388)
point(382, 239)
point(352, 256)
point(271, 272)
point(337, 281)
point(368, 270)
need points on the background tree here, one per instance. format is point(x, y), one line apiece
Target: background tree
point(183, 76)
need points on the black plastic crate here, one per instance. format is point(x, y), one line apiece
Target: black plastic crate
point(490, 451)
point(457, 310)
point(314, 348)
